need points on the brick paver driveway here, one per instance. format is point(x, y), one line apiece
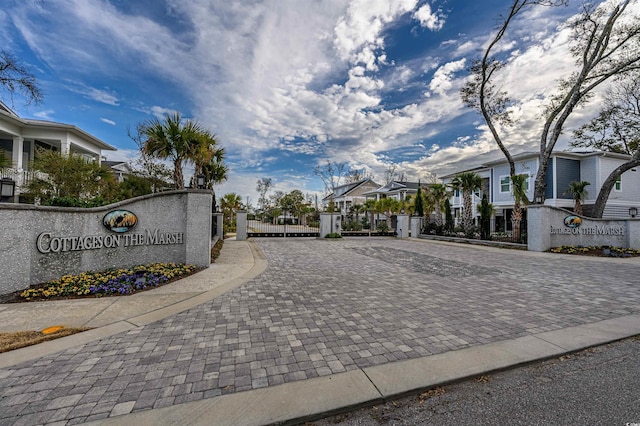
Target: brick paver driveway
point(322, 307)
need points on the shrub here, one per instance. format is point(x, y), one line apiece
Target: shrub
point(333, 235)
point(382, 227)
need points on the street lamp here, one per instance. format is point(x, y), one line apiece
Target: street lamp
point(633, 211)
point(200, 181)
point(7, 188)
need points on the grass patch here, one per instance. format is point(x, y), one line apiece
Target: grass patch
point(21, 339)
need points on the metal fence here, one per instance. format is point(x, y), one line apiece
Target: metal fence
point(278, 223)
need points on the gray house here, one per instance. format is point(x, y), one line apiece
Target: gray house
point(565, 167)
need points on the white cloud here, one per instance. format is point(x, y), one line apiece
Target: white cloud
point(159, 112)
point(431, 20)
point(302, 77)
point(44, 114)
point(106, 120)
point(98, 95)
point(441, 81)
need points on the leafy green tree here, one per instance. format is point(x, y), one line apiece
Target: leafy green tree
point(578, 193)
point(448, 217)
point(486, 210)
point(70, 177)
point(293, 202)
point(418, 204)
point(467, 183)
point(519, 193)
point(134, 186)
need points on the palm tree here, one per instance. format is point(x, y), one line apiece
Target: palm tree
point(357, 209)
point(208, 159)
point(519, 192)
point(438, 193)
point(230, 203)
point(389, 206)
point(468, 183)
point(370, 206)
point(578, 193)
point(173, 138)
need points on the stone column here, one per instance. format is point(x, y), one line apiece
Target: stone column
point(218, 218)
point(416, 226)
point(241, 226)
point(329, 223)
point(197, 243)
point(538, 228)
point(402, 229)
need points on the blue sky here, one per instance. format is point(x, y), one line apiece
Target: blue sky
point(289, 84)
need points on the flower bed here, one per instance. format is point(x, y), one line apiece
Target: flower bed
point(111, 282)
point(597, 251)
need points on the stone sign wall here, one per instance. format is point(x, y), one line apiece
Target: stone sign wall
point(39, 243)
point(550, 227)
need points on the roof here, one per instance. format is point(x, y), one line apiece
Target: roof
point(395, 185)
point(5, 108)
point(120, 166)
point(8, 114)
point(526, 155)
point(341, 190)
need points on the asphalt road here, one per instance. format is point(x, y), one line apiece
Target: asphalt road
point(598, 386)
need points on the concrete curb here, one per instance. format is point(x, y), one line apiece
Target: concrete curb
point(295, 402)
point(18, 356)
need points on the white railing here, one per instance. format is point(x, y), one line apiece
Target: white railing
point(20, 177)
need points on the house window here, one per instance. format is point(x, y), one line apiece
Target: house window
point(457, 193)
point(505, 184)
point(618, 185)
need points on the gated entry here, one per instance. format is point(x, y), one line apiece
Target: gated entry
point(279, 223)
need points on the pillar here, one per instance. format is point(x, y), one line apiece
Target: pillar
point(416, 226)
point(241, 226)
point(330, 223)
point(402, 229)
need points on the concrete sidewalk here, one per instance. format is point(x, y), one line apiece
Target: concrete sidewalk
point(286, 333)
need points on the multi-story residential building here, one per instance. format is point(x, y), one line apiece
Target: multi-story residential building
point(394, 189)
point(345, 196)
point(20, 139)
point(565, 167)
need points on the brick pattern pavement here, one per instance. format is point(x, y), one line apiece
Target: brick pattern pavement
point(321, 307)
